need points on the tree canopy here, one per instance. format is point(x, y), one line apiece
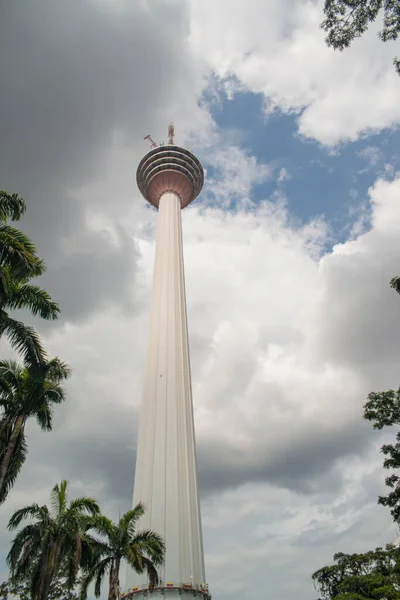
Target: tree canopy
point(383, 410)
point(142, 550)
point(346, 20)
point(19, 263)
point(53, 539)
point(11, 589)
point(25, 393)
point(374, 575)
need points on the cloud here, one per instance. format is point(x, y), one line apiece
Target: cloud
point(277, 48)
point(372, 154)
point(285, 537)
point(79, 81)
point(356, 323)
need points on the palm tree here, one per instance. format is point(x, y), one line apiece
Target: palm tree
point(17, 293)
point(11, 206)
point(16, 250)
point(24, 393)
point(143, 550)
point(19, 263)
point(53, 540)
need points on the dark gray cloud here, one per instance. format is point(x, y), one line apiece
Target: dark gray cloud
point(359, 323)
point(73, 74)
point(299, 465)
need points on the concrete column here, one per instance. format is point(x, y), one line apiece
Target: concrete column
point(166, 478)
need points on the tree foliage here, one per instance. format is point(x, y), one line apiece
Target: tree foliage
point(11, 206)
point(383, 410)
point(143, 550)
point(346, 20)
point(25, 393)
point(395, 284)
point(19, 263)
point(53, 539)
point(10, 589)
point(374, 575)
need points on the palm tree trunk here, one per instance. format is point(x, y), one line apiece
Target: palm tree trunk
point(8, 454)
point(113, 593)
point(50, 570)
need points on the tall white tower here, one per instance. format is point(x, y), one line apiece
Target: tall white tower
point(169, 177)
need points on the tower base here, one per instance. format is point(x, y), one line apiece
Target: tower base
point(167, 592)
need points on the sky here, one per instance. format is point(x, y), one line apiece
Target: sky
point(289, 251)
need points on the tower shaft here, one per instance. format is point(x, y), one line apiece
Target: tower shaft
point(166, 477)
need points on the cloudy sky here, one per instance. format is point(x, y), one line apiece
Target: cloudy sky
point(288, 252)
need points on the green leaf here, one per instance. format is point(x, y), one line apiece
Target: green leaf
point(11, 206)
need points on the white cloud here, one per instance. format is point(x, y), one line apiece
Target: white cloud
point(235, 174)
point(278, 49)
point(372, 154)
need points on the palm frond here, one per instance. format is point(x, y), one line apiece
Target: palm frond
point(103, 526)
point(10, 371)
point(11, 206)
point(86, 505)
point(101, 571)
point(151, 572)
point(57, 370)
point(31, 511)
point(58, 498)
point(22, 338)
point(92, 550)
point(131, 517)
point(4, 285)
point(54, 394)
point(18, 253)
point(33, 298)
point(135, 558)
point(17, 460)
point(44, 417)
point(84, 587)
point(150, 543)
point(29, 534)
point(97, 548)
point(97, 571)
point(26, 392)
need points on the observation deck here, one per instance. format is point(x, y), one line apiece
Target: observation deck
point(170, 168)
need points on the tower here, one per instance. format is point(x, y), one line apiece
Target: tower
point(169, 177)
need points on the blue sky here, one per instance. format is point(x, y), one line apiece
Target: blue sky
point(331, 183)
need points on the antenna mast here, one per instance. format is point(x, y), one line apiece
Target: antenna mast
point(171, 133)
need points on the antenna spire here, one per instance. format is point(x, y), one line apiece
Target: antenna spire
point(171, 133)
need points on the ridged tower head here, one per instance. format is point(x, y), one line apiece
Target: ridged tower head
point(170, 168)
